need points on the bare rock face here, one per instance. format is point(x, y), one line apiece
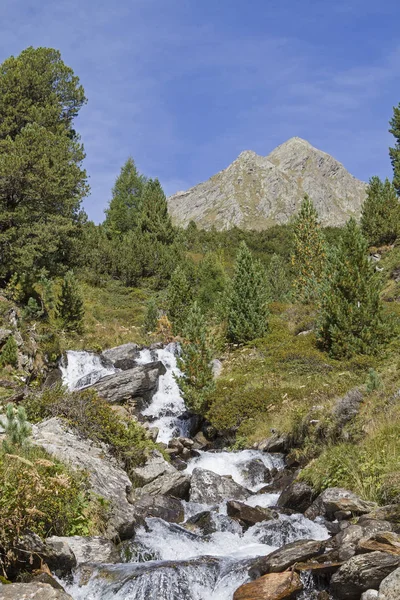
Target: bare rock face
point(256, 192)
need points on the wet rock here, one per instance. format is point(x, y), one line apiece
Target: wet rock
point(361, 573)
point(369, 595)
point(123, 357)
point(276, 443)
point(155, 466)
point(297, 495)
point(89, 549)
point(135, 386)
point(106, 477)
point(209, 488)
point(335, 500)
point(255, 472)
point(385, 541)
point(389, 589)
point(249, 515)
point(281, 480)
point(275, 586)
point(171, 484)
point(285, 557)
point(164, 507)
point(32, 591)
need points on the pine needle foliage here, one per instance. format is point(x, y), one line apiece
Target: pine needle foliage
point(380, 218)
point(9, 353)
point(309, 253)
point(394, 152)
point(69, 307)
point(196, 383)
point(247, 299)
point(279, 281)
point(350, 319)
point(17, 429)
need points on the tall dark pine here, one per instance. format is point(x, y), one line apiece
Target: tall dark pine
point(380, 217)
point(394, 152)
point(69, 307)
point(155, 219)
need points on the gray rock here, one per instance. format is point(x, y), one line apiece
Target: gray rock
point(255, 192)
point(155, 466)
point(335, 500)
point(348, 539)
point(123, 357)
point(216, 368)
point(390, 587)
point(249, 515)
point(276, 443)
point(170, 484)
point(362, 573)
point(255, 472)
point(32, 591)
point(135, 386)
point(164, 507)
point(297, 495)
point(209, 488)
point(4, 335)
point(285, 557)
point(106, 477)
point(94, 549)
point(31, 551)
point(347, 407)
point(369, 595)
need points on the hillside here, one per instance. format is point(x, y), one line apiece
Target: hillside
point(256, 192)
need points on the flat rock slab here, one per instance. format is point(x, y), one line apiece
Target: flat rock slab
point(334, 500)
point(31, 591)
point(275, 586)
point(170, 484)
point(155, 467)
point(249, 515)
point(123, 357)
point(209, 488)
point(164, 507)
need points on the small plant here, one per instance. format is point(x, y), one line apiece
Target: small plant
point(373, 382)
point(17, 429)
point(9, 354)
point(32, 310)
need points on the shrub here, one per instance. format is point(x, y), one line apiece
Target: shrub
point(9, 354)
point(17, 429)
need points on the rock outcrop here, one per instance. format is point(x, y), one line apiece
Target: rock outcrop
point(256, 192)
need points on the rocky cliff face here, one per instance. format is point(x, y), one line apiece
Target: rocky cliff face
point(256, 192)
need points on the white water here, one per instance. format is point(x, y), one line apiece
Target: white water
point(83, 369)
point(192, 574)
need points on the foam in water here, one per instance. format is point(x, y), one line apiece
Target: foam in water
point(83, 369)
point(234, 464)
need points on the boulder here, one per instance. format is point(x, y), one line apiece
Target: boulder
point(209, 488)
point(201, 442)
point(249, 515)
point(171, 484)
point(208, 522)
point(385, 541)
point(390, 587)
point(135, 386)
point(369, 595)
point(155, 466)
point(255, 472)
point(281, 480)
point(297, 495)
point(164, 507)
point(106, 477)
point(347, 408)
point(285, 557)
point(31, 552)
point(361, 573)
point(89, 549)
point(275, 586)
point(334, 500)
point(32, 591)
point(123, 357)
point(348, 539)
point(275, 443)
point(390, 513)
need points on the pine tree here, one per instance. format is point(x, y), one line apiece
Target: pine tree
point(394, 152)
point(155, 219)
point(247, 308)
point(380, 217)
point(16, 427)
point(350, 320)
point(69, 308)
point(123, 212)
point(309, 254)
point(151, 316)
point(179, 298)
point(212, 282)
point(9, 353)
point(195, 362)
point(279, 283)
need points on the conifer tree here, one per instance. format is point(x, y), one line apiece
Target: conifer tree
point(69, 307)
point(195, 362)
point(394, 152)
point(179, 298)
point(278, 279)
point(247, 301)
point(350, 320)
point(16, 427)
point(9, 353)
point(155, 219)
point(151, 316)
point(380, 217)
point(309, 253)
point(123, 212)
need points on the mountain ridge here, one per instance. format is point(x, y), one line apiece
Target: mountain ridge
point(256, 192)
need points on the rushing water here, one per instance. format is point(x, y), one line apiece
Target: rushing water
point(175, 562)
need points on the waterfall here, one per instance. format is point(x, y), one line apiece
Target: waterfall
point(81, 369)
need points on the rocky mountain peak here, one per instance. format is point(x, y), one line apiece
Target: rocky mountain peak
point(256, 192)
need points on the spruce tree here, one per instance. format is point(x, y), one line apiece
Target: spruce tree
point(380, 217)
point(247, 301)
point(69, 307)
point(195, 362)
point(179, 298)
point(155, 220)
point(278, 277)
point(123, 212)
point(394, 152)
point(350, 320)
point(309, 253)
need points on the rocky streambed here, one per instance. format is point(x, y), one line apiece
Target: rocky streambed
point(210, 524)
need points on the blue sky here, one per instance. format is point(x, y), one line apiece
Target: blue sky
point(183, 86)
